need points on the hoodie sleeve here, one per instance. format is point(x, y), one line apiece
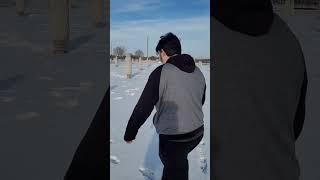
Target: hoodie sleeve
point(145, 105)
point(300, 113)
point(204, 94)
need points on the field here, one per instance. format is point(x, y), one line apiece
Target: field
point(139, 160)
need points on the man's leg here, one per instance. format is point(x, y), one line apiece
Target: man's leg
point(176, 170)
point(174, 159)
point(194, 143)
point(174, 156)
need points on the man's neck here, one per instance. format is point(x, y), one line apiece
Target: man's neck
point(171, 57)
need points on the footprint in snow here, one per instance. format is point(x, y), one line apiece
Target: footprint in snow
point(202, 160)
point(147, 173)
point(202, 143)
point(114, 160)
point(134, 89)
point(203, 165)
point(118, 98)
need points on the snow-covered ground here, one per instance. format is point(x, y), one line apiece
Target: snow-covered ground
point(139, 160)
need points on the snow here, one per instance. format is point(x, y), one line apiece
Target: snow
point(147, 173)
point(114, 160)
point(139, 160)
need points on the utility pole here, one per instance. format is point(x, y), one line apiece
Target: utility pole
point(147, 48)
point(97, 12)
point(292, 7)
point(20, 7)
point(289, 7)
point(59, 27)
point(111, 51)
point(129, 63)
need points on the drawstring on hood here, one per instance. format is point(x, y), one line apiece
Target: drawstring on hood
point(251, 17)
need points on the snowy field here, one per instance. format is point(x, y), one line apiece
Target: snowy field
point(139, 160)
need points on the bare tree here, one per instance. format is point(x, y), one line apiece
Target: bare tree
point(119, 51)
point(139, 53)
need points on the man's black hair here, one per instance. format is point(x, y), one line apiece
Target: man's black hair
point(170, 43)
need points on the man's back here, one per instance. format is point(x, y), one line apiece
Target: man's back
point(257, 87)
point(179, 109)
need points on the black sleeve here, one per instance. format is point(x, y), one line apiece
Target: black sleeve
point(144, 107)
point(204, 94)
point(300, 113)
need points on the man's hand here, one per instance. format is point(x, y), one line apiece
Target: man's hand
point(129, 142)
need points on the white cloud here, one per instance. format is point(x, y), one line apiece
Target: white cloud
point(128, 6)
point(193, 32)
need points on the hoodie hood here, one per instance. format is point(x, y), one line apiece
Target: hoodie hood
point(184, 62)
point(251, 17)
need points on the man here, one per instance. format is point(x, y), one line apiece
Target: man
point(177, 89)
point(259, 89)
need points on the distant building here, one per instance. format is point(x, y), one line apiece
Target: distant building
point(204, 61)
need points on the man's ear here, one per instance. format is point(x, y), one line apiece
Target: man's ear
point(162, 51)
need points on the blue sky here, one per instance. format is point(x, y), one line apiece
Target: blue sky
point(133, 20)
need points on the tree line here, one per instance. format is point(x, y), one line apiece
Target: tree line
point(120, 52)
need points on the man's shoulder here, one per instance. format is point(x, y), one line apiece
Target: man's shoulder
point(157, 71)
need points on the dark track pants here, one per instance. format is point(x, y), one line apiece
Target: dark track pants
point(174, 156)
